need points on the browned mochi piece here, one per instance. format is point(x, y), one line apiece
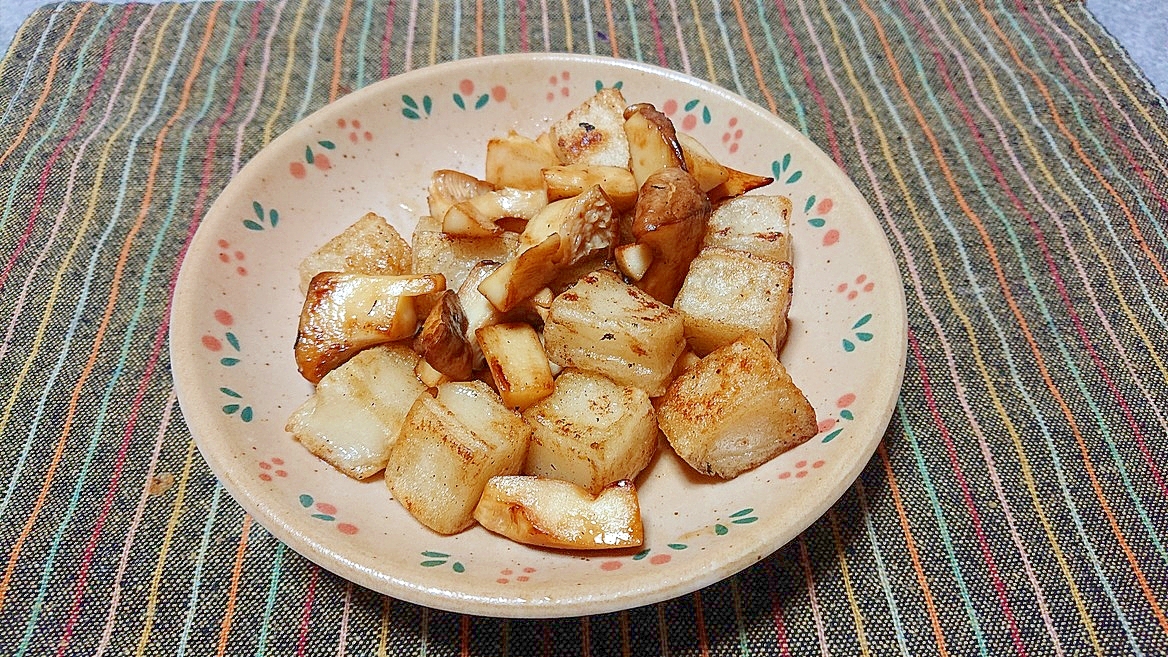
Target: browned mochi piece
point(450, 445)
point(369, 246)
point(604, 325)
point(734, 410)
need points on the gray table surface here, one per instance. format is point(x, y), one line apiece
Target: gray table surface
point(1140, 26)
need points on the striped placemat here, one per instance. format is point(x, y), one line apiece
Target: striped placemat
point(1016, 158)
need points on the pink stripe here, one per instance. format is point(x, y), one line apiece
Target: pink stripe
point(1048, 258)
point(1115, 138)
point(970, 503)
point(259, 93)
point(831, 139)
point(158, 344)
point(680, 39)
point(655, 21)
point(1139, 134)
point(1060, 284)
point(777, 611)
point(915, 275)
point(387, 39)
point(78, 161)
point(306, 615)
point(46, 172)
point(523, 44)
point(809, 578)
point(135, 522)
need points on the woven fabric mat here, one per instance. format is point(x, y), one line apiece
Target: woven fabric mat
point(1016, 158)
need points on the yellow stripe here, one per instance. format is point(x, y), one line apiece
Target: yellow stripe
point(1052, 181)
point(1106, 61)
point(1116, 287)
point(849, 590)
point(49, 77)
point(168, 536)
point(289, 64)
point(697, 15)
point(16, 386)
point(434, 34)
point(567, 25)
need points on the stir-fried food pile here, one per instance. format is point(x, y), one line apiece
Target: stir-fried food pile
point(515, 363)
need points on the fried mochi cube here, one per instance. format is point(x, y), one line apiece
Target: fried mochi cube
point(757, 224)
point(353, 417)
point(369, 246)
point(449, 448)
point(601, 324)
point(734, 410)
point(728, 293)
point(591, 431)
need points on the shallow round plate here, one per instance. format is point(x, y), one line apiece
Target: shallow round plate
point(236, 308)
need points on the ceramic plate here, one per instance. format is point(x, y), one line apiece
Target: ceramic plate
point(236, 309)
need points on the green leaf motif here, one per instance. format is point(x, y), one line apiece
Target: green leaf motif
point(744, 512)
point(849, 346)
point(409, 102)
point(720, 529)
point(643, 553)
point(231, 409)
point(306, 500)
point(847, 415)
point(831, 436)
point(864, 337)
point(308, 157)
point(232, 340)
point(817, 222)
point(259, 209)
point(458, 567)
point(251, 225)
point(327, 144)
point(435, 555)
point(706, 116)
point(677, 546)
point(862, 321)
point(691, 104)
point(795, 177)
point(786, 161)
point(744, 521)
point(409, 113)
point(228, 362)
point(481, 101)
point(323, 516)
point(230, 393)
point(810, 203)
point(427, 105)
point(247, 414)
point(431, 564)
point(273, 217)
point(458, 101)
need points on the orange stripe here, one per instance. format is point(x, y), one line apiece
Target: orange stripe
point(991, 252)
point(479, 28)
point(700, 622)
point(915, 556)
point(611, 28)
point(338, 51)
point(119, 269)
point(236, 571)
point(40, 101)
point(1084, 158)
point(762, 85)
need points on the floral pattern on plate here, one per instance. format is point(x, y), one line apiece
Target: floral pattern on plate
point(373, 150)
